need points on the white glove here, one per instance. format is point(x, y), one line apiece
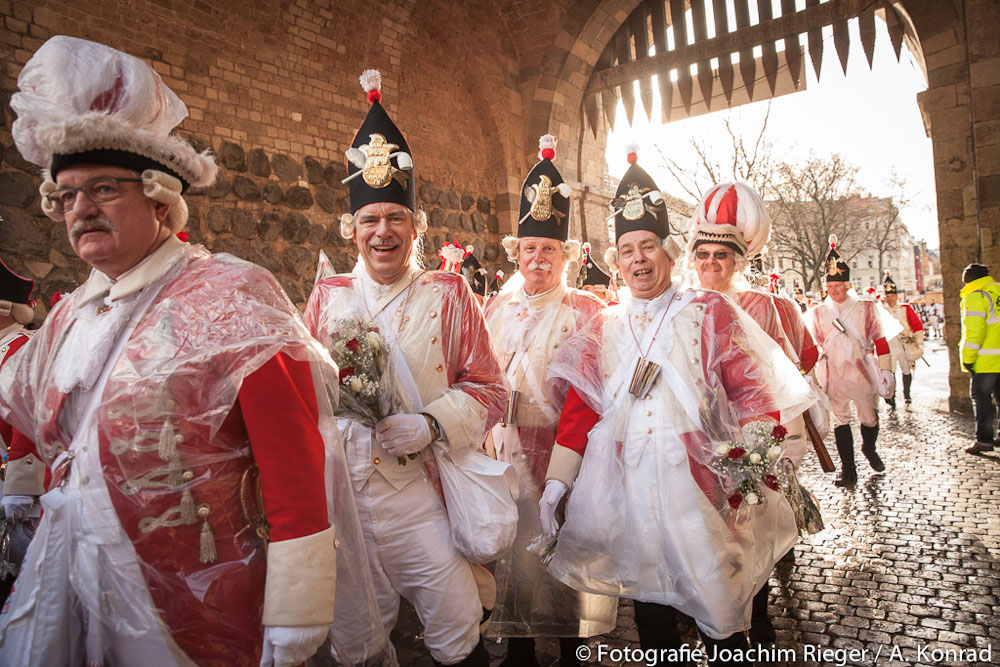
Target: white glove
point(554, 491)
point(288, 646)
point(403, 434)
point(886, 384)
point(17, 507)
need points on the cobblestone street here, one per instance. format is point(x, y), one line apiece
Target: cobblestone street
point(907, 571)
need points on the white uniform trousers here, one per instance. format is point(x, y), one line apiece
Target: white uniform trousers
point(411, 554)
point(865, 404)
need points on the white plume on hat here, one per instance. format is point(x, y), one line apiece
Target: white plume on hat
point(76, 96)
point(731, 213)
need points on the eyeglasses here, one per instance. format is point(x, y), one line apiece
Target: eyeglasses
point(720, 255)
point(97, 190)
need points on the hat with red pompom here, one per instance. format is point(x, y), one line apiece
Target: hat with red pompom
point(638, 203)
point(544, 209)
point(379, 162)
point(837, 270)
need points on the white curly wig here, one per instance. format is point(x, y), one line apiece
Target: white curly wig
point(570, 249)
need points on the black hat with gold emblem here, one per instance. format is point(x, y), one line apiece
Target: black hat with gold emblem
point(590, 272)
point(638, 203)
point(889, 285)
point(837, 270)
point(379, 164)
point(545, 200)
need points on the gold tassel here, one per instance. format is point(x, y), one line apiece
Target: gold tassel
point(188, 512)
point(168, 443)
point(207, 554)
point(174, 472)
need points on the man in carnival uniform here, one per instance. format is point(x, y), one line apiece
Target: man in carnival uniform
point(21, 509)
point(655, 389)
point(528, 320)
point(908, 346)
point(854, 366)
point(729, 225)
point(593, 279)
point(160, 393)
point(450, 388)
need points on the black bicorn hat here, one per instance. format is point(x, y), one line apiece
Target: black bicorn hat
point(545, 197)
point(889, 285)
point(379, 163)
point(638, 203)
point(836, 268)
point(15, 288)
point(798, 288)
point(590, 273)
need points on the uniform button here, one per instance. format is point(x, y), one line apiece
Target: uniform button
point(531, 400)
point(649, 413)
point(435, 288)
point(524, 456)
point(565, 329)
point(433, 314)
point(434, 340)
point(376, 460)
point(555, 346)
point(336, 543)
point(28, 461)
point(188, 475)
point(648, 396)
point(439, 368)
point(694, 341)
point(649, 431)
point(695, 360)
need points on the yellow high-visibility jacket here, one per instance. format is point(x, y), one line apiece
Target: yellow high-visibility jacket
point(980, 344)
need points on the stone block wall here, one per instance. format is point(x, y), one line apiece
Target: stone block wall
point(272, 89)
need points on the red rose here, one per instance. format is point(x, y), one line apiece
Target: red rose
point(346, 372)
point(771, 482)
point(779, 432)
point(54, 299)
point(736, 453)
point(352, 345)
point(735, 501)
point(183, 236)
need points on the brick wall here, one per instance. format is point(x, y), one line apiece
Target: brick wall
point(272, 88)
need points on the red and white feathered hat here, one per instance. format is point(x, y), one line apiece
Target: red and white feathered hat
point(733, 215)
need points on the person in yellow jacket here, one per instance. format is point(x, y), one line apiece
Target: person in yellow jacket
point(980, 348)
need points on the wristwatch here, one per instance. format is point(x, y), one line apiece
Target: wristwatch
point(435, 427)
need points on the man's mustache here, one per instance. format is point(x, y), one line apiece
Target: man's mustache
point(90, 225)
point(539, 265)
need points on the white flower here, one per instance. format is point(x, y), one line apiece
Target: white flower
point(773, 453)
point(356, 385)
point(752, 498)
point(374, 340)
point(722, 449)
point(755, 458)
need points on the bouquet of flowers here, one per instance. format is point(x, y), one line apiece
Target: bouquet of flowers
point(746, 466)
point(367, 388)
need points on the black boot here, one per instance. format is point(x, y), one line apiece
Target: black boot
point(657, 627)
point(568, 656)
point(520, 651)
point(845, 447)
point(869, 434)
point(907, 381)
point(761, 630)
point(891, 402)
point(731, 651)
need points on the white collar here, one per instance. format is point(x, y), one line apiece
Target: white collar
point(133, 280)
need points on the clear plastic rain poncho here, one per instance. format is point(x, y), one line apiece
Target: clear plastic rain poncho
point(443, 365)
point(649, 517)
point(527, 333)
point(848, 366)
point(148, 550)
